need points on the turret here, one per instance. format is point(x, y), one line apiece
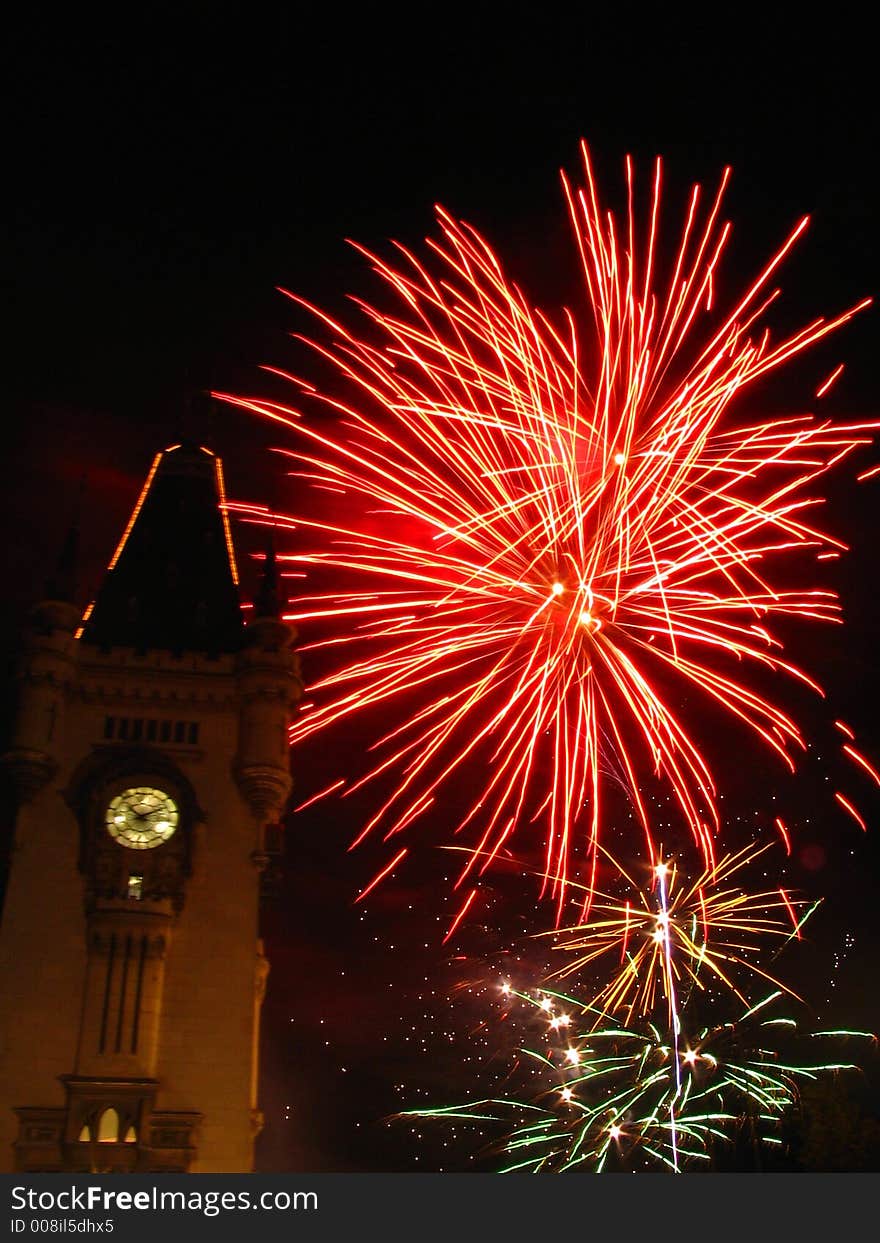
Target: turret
point(269, 686)
point(46, 669)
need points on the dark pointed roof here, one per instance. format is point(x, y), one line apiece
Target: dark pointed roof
point(172, 582)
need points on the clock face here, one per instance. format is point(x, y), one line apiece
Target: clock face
point(141, 818)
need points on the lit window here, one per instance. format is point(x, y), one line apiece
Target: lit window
point(131, 1136)
point(85, 1136)
point(108, 1127)
point(135, 888)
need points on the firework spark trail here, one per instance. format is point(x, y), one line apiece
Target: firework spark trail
point(660, 873)
point(610, 1093)
point(662, 1071)
point(552, 523)
point(672, 931)
point(709, 930)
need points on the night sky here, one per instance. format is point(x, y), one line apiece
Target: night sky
point(162, 181)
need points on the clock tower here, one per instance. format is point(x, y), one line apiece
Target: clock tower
point(151, 763)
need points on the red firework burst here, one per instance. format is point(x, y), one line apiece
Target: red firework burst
point(586, 524)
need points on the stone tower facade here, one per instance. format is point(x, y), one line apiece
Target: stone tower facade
point(151, 762)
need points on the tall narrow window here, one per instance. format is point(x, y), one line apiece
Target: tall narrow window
point(135, 888)
point(108, 1127)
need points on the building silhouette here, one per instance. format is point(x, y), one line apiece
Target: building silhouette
point(150, 760)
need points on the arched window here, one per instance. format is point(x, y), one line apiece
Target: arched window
point(108, 1127)
point(85, 1135)
point(131, 1136)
